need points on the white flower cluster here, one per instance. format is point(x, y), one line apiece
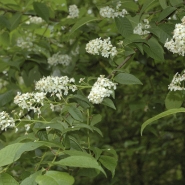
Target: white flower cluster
point(102, 88)
point(35, 20)
point(56, 85)
point(141, 28)
point(109, 12)
point(6, 121)
point(26, 42)
point(103, 47)
point(177, 43)
point(175, 84)
point(30, 101)
point(73, 11)
point(58, 58)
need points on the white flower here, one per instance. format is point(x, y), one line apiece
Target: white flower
point(109, 12)
point(177, 43)
point(103, 47)
point(73, 11)
point(58, 58)
point(141, 28)
point(102, 88)
point(30, 101)
point(56, 85)
point(35, 20)
point(6, 121)
point(175, 84)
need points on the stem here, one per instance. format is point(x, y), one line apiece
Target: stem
point(88, 137)
point(42, 158)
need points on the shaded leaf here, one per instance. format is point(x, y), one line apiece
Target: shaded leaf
point(31, 179)
point(108, 102)
point(6, 179)
point(165, 13)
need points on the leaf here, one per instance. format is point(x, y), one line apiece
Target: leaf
point(15, 20)
point(165, 13)
point(161, 115)
point(146, 5)
point(126, 78)
point(108, 102)
point(4, 22)
point(176, 2)
point(6, 98)
point(55, 178)
point(174, 99)
point(14, 151)
point(42, 10)
point(124, 26)
point(6, 179)
point(96, 119)
point(163, 3)
point(75, 113)
point(76, 161)
point(81, 22)
point(154, 50)
point(109, 162)
point(31, 179)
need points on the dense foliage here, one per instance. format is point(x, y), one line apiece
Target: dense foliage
point(81, 82)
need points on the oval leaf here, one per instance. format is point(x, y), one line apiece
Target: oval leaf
point(6, 179)
point(126, 78)
point(161, 115)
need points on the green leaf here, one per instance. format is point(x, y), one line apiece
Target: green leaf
point(109, 162)
point(165, 13)
point(96, 119)
point(14, 151)
point(124, 26)
point(31, 179)
point(55, 178)
point(6, 98)
point(163, 3)
point(126, 78)
point(4, 23)
point(146, 5)
point(161, 115)
point(76, 161)
point(6, 179)
point(82, 22)
point(174, 99)
point(155, 50)
point(176, 2)
point(108, 102)
point(75, 113)
point(15, 20)
point(42, 10)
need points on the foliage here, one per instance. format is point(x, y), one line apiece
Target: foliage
point(81, 81)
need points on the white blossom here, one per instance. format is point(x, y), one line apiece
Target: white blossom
point(58, 58)
point(102, 88)
point(177, 43)
point(103, 47)
point(176, 82)
point(109, 12)
point(6, 121)
point(141, 28)
point(35, 20)
point(56, 85)
point(30, 101)
point(73, 11)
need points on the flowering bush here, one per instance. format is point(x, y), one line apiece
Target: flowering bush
point(79, 79)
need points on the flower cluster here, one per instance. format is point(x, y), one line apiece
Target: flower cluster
point(30, 101)
point(26, 42)
point(102, 88)
point(141, 28)
point(56, 85)
point(58, 58)
point(73, 11)
point(175, 84)
point(35, 20)
point(109, 12)
point(177, 43)
point(6, 121)
point(103, 47)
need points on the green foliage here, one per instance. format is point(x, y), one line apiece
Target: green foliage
point(87, 130)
